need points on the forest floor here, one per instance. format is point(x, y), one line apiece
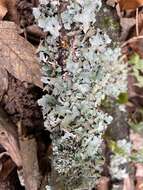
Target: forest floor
point(21, 120)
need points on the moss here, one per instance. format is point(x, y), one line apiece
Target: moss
point(109, 22)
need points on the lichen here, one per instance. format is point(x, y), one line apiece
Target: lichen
point(79, 71)
point(119, 159)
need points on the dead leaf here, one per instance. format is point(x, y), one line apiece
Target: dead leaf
point(139, 176)
point(7, 168)
point(103, 183)
point(35, 3)
point(111, 3)
point(139, 170)
point(139, 183)
point(137, 46)
point(17, 55)
point(9, 139)
point(3, 81)
point(127, 184)
point(126, 24)
point(130, 4)
point(131, 87)
point(137, 141)
point(31, 172)
point(3, 9)
point(9, 7)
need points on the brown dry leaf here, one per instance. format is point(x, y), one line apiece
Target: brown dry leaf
point(3, 81)
point(7, 168)
point(137, 141)
point(3, 9)
point(131, 87)
point(103, 183)
point(32, 178)
point(111, 2)
point(127, 184)
point(35, 3)
point(139, 183)
point(130, 4)
point(137, 46)
point(126, 24)
point(139, 176)
point(9, 7)
point(17, 55)
point(140, 17)
point(9, 139)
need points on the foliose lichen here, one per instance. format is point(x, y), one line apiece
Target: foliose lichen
point(79, 71)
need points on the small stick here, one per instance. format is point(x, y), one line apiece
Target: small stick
point(132, 40)
point(137, 21)
point(118, 10)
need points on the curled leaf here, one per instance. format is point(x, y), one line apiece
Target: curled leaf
point(9, 7)
point(130, 5)
point(18, 56)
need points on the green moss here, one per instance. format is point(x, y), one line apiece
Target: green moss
point(109, 22)
point(123, 98)
point(107, 104)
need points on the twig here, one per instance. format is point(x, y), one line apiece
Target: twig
point(137, 21)
point(132, 40)
point(118, 10)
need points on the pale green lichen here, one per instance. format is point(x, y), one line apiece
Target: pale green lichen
point(120, 159)
point(80, 70)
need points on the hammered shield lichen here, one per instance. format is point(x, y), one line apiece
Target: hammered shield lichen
point(79, 71)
